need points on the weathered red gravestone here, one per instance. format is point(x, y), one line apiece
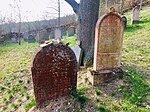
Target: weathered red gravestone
point(54, 72)
point(108, 47)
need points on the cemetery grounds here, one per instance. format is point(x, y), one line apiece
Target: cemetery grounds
point(128, 93)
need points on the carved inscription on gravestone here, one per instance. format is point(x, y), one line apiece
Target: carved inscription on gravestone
point(108, 42)
point(54, 72)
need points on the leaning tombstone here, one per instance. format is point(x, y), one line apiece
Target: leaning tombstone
point(107, 51)
point(78, 52)
point(124, 19)
point(135, 15)
point(54, 72)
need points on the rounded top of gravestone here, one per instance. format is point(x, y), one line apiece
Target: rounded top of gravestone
point(51, 50)
point(124, 18)
point(109, 20)
point(136, 8)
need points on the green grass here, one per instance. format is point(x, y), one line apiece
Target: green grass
point(136, 59)
point(70, 40)
point(15, 58)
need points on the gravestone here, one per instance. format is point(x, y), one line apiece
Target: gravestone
point(135, 15)
point(108, 47)
point(31, 38)
point(54, 72)
point(78, 52)
point(52, 35)
point(43, 36)
point(63, 32)
point(71, 31)
point(14, 40)
point(124, 19)
point(57, 33)
point(14, 37)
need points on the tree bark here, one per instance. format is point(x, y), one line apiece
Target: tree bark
point(89, 11)
point(87, 17)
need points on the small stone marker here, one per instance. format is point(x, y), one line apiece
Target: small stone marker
point(78, 52)
point(43, 36)
point(57, 33)
point(54, 72)
point(124, 21)
point(31, 38)
point(14, 40)
point(107, 51)
point(135, 15)
point(52, 35)
point(64, 33)
point(71, 31)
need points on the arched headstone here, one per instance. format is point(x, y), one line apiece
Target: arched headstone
point(124, 19)
point(108, 47)
point(54, 72)
point(135, 15)
point(108, 42)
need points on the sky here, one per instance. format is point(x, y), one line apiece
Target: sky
point(32, 10)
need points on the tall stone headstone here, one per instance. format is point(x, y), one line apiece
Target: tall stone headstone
point(54, 72)
point(108, 47)
point(135, 15)
point(57, 33)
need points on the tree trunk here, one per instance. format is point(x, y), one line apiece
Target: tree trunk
point(87, 17)
point(19, 36)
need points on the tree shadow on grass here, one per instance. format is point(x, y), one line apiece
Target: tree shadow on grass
point(136, 26)
point(132, 28)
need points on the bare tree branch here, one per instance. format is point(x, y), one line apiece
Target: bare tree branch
point(74, 5)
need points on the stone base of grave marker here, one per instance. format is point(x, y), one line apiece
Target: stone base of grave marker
point(103, 76)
